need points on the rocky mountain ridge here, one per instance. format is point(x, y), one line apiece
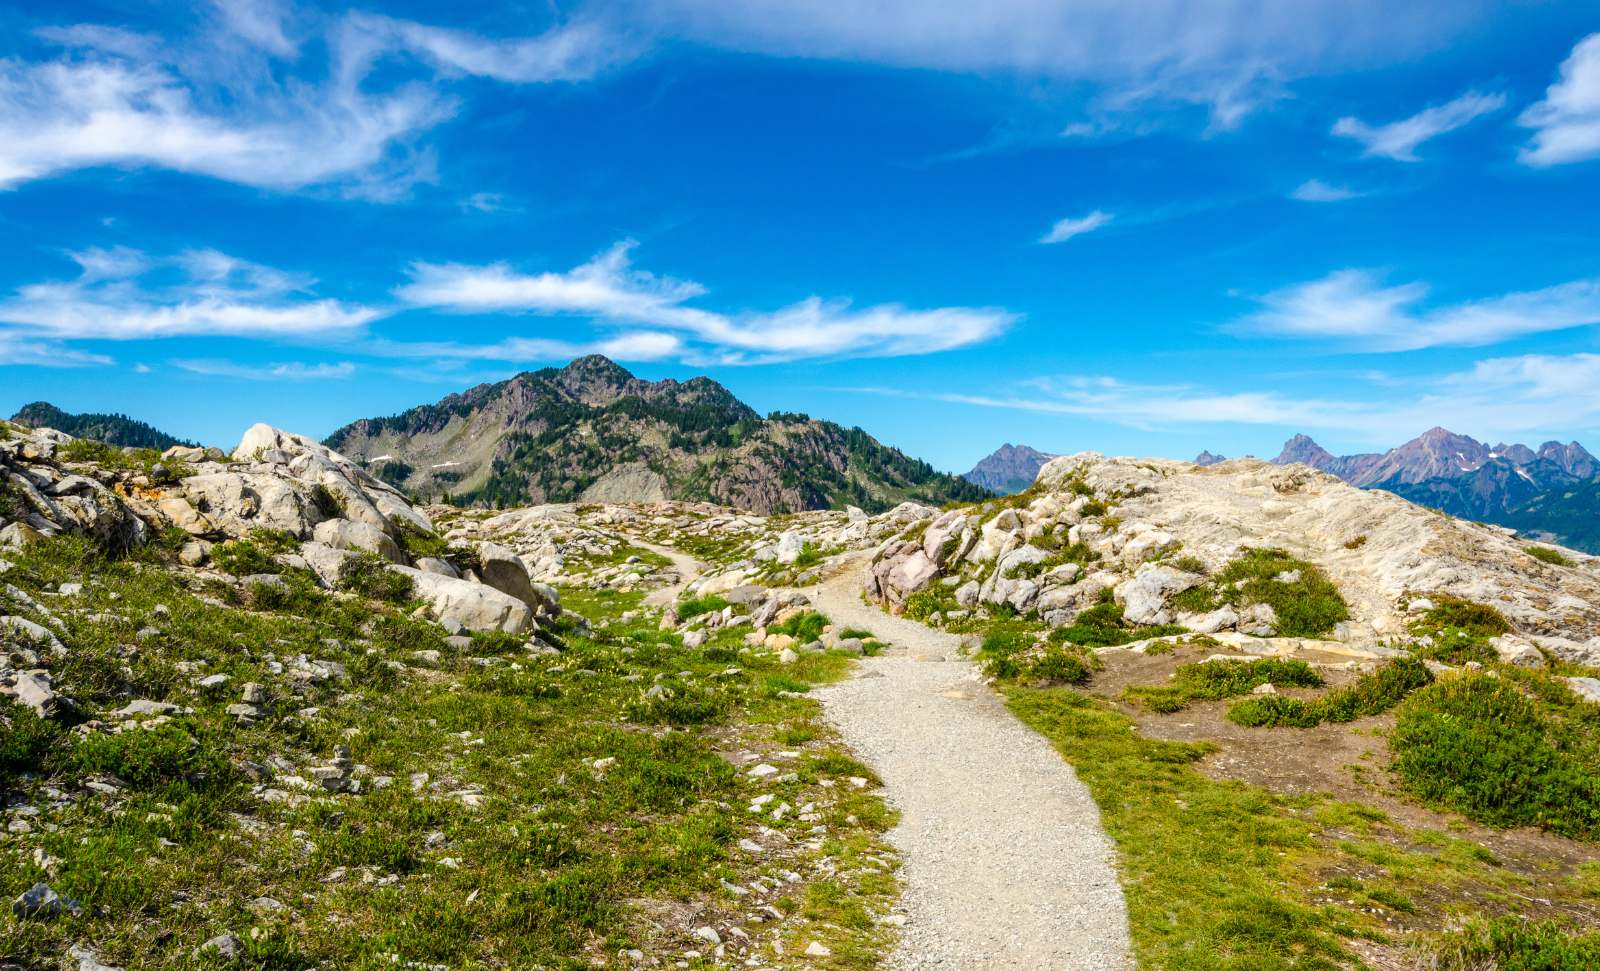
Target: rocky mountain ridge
point(1549, 493)
point(118, 430)
point(1009, 468)
point(593, 432)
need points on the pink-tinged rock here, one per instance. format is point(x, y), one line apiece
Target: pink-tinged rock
point(912, 573)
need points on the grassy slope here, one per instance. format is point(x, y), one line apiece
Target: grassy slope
point(553, 864)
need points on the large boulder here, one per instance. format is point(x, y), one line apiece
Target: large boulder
point(342, 534)
point(1144, 598)
point(504, 570)
point(363, 497)
point(235, 503)
point(477, 606)
point(325, 561)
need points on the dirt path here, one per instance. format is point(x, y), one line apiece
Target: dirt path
point(688, 569)
point(1005, 863)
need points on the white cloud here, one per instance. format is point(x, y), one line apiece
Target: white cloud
point(1068, 228)
point(609, 290)
point(1399, 140)
point(17, 348)
point(483, 202)
point(293, 371)
point(218, 294)
point(236, 103)
point(1568, 119)
point(1229, 55)
point(1315, 190)
point(1353, 305)
point(1505, 398)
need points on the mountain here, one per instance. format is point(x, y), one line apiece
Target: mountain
point(1543, 493)
point(1206, 458)
point(118, 430)
point(593, 432)
point(1010, 469)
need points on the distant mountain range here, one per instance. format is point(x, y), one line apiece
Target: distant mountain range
point(1551, 494)
point(118, 430)
point(593, 432)
point(1010, 469)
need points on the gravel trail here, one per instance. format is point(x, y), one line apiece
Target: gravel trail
point(1006, 865)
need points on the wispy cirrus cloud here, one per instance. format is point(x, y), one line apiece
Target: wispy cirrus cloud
point(1567, 120)
point(1399, 140)
point(1316, 190)
point(235, 101)
point(1497, 398)
point(1353, 305)
point(1065, 229)
point(610, 291)
point(293, 371)
point(123, 294)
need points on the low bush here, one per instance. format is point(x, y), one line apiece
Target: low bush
point(368, 574)
point(1516, 944)
point(1215, 680)
point(809, 556)
point(1308, 605)
point(1372, 694)
point(1057, 664)
point(804, 628)
point(1103, 626)
point(1547, 555)
point(243, 558)
point(26, 741)
point(700, 605)
point(1457, 631)
point(1478, 745)
point(162, 759)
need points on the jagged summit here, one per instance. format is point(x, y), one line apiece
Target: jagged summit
point(594, 432)
point(1206, 459)
point(1009, 469)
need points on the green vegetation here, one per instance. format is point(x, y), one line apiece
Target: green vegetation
point(1307, 603)
point(1513, 944)
point(1012, 654)
point(1547, 555)
point(1481, 746)
point(551, 802)
point(1103, 626)
point(119, 431)
point(700, 605)
point(1372, 694)
point(242, 558)
point(1457, 631)
point(1215, 680)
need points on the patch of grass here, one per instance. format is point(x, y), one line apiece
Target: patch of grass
point(1356, 543)
point(809, 555)
point(1372, 694)
point(1457, 631)
point(1479, 745)
point(1204, 881)
point(1215, 680)
point(1307, 606)
point(1547, 555)
point(804, 628)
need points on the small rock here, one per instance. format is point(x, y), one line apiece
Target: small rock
point(708, 934)
point(254, 694)
point(212, 681)
point(88, 960)
point(787, 656)
point(1264, 689)
point(452, 625)
point(40, 901)
point(763, 770)
point(817, 950)
point(227, 946)
point(750, 846)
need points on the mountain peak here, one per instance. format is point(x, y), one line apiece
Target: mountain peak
point(1206, 458)
point(1010, 468)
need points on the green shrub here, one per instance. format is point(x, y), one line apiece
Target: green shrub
point(368, 574)
point(921, 606)
point(1547, 555)
point(702, 605)
point(809, 556)
point(275, 540)
point(1058, 665)
point(1459, 631)
point(1307, 607)
point(1093, 507)
point(1479, 746)
point(1190, 564)
point(1077, 487)
point(162, 758)
point(1215, 680)
point(1515, 944)
point(243, 558)
point(804, 628)
point(26, 741)
point(1473, 618)
point(1372, 694)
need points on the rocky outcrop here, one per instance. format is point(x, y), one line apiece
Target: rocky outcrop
point(477, 606)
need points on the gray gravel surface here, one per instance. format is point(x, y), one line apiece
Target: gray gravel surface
point(1005, 862)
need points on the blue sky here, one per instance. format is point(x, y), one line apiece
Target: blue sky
point(1143, 227)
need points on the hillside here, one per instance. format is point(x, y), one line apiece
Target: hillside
point(1009, 469)
point(593, 432)
point(1509, 485)
point(118, 430)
